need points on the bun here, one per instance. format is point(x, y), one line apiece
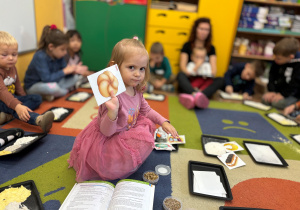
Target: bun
point(231, 146)
point(107, 82)
point(231, 160)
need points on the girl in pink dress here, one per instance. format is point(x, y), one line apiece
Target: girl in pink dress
point(117, 142)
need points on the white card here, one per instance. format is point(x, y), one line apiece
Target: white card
point(108, 79)
point(233, 162)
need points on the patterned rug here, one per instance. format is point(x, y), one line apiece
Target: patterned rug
point(253, 185)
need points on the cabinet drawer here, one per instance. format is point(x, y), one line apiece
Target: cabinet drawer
point(169, 18)
point(172, 51)
point(167, 36)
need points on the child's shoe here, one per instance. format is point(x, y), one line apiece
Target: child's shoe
point(45, 121)
point(4, 117)
point(168, 87)
point(48, 97)
point(201, 101)
point(187, 100)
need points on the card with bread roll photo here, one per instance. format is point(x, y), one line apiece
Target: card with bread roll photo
point(105, 81)
point(232, 146)
point(231, 160)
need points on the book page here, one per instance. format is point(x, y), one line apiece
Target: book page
point(90, 195)
point(132, 194)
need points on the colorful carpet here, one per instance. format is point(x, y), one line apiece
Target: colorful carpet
point(253, 185)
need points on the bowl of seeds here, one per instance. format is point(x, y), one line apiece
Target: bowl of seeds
point(151, 177)
point(172, 203)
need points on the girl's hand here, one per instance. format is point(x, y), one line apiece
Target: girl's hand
point(23, 112)
point(169, 129)
point(81, 69)
point(289, 109)
point(69, 69)
point(113, 106)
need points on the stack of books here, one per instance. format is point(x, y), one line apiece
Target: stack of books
point(253, 16)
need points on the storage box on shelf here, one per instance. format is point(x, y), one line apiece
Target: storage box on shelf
point(264, 22)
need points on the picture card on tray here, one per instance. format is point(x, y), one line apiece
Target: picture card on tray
point(105, 81)
point(178, 140)
point(231, 160)
point(232, 146)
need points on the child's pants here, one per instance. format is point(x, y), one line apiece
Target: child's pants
point(57, 89)
point(31, 101)
point(281, 104)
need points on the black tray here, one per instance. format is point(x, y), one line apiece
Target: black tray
point(154, 99)
point(62, 117)
point(83, 100)
point(239, 208)
point(33, 202)
point(40, 136)
point(281, 123)
point(293, 137)
point(201, 166)
point(284, 163)
point(244, 102)
point(207, 138)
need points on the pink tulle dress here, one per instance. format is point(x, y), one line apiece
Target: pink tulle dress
point(109, 150)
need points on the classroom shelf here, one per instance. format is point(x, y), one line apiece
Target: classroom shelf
point(269, 32)
point(256, 57)
point(276, 3)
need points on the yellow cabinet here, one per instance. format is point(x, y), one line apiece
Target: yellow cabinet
point(167, 35)
point(171, 19)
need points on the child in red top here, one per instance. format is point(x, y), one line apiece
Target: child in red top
point(117, 142)
point(13, 100)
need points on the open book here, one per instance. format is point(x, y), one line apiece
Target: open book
point(96, 195)
point(203, 70)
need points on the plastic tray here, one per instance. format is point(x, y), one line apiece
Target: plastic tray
point(24, 146)
point(239, 208)
point(154, 97)
point(296, 124)
point(256, 105)
point(207, 138)
point(201, 166)
point(82, 100)
point(33, 202)
point(62, 117)
point(293, 137)
point(283, 162)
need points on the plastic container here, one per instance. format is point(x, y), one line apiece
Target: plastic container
point(151, 176)
point(173, 204)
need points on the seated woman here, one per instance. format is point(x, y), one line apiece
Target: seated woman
point(195, 89)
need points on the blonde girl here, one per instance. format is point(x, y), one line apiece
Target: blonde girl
point(117, 142)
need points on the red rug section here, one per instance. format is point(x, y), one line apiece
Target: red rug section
point(267, 193)
point(57, 126)
point(161, 107)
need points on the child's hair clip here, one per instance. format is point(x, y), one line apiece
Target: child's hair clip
point(136, 38)
point(53, 27)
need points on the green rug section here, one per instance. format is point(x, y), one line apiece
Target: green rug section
point(186, 123)
point(56, 173)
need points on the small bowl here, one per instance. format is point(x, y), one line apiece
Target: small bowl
point(177, 205)
point(150, 176)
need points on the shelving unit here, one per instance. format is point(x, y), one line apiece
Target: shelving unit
point(265, 34)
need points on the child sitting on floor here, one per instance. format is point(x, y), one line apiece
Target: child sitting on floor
point(13, 100)
point(241, 77)
point(294, 110)
point(48, 74)
point(284, 75)
point(160, 69)
point(117, 142)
